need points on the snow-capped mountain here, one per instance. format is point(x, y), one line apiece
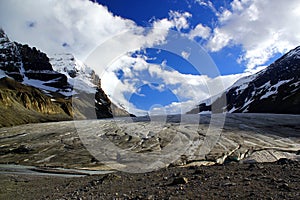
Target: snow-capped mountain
point(80, 76)
point(275, 89)
point(30, 67)
point(33, 84)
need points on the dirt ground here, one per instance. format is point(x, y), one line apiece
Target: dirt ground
point(279, 180)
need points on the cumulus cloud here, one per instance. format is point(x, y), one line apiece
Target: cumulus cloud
point(208, 4)
point(60, 25)
point(200, 31)
point(189, 89)
point(179, 19)
point(262, 28)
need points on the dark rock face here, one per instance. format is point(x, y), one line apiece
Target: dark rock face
point(36, 65)
point(19, 61)
point(10, 58)
point(201, 108)
point(102, 104)
point(34, 59)
point(273, 90)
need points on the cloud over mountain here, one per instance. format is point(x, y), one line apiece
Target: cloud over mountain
point(262, 28)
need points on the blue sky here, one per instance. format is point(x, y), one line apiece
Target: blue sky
point(143, 12)
point(134, 50)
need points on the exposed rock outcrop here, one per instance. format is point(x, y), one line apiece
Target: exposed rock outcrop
point(25, 104)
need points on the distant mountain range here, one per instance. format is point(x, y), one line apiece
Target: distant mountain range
point(34, 88)
point(275, 89)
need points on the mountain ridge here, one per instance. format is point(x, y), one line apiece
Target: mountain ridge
point(34, 88)
point(275, 89)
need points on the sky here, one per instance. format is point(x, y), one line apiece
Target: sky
point(159, 56)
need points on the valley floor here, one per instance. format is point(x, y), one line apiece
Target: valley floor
point(233, 156)
point(279, 180)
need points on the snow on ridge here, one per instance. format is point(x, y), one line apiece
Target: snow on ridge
point(295, 52)
point(242, 83)
point(66, 63)
point(272, 91)
point(61, 63)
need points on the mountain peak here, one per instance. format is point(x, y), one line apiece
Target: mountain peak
point(3, 34)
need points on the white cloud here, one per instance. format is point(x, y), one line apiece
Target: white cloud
point(208, 4)
point(189, 89)
point(185, 54)
point(200, 31)
point(219, 40)
point(180, 19)
point(50, 24)
point(263, 28)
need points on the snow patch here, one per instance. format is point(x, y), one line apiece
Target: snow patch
point(232, 110)
point(242, 83)
point(266, 85)
point(2, 74)
point(274, 89)
point(296, 84)
point(204, 112)
point(67, 63)
point(295, 52)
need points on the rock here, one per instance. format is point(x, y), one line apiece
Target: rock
point(285, 187)
point(229, 184)
point(200, 163)
point(179, 180)
point(283, 161)
point(21, 149)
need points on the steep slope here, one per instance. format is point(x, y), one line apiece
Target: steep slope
point(275, 89)
point(22, 104)
point(85, 80)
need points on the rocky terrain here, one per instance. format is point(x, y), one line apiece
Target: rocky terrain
point(40, 89)
point(249, 156)
point(272, 90)
point(279, 180)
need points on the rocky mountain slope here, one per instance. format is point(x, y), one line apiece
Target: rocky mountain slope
point(34, 88)
point(275, 89)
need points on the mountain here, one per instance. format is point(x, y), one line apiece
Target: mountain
point(275, 89)
point(34, 88)
point(84, 80)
